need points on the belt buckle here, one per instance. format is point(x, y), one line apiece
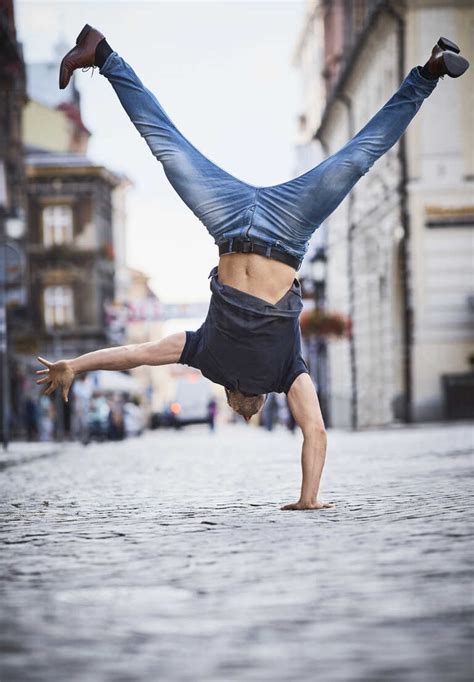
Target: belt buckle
point(247, 246)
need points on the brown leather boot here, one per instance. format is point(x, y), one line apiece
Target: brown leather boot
point(445, 60)
point(81, 55)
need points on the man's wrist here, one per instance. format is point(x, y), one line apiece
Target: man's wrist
point(73, 366)
point(305, 499)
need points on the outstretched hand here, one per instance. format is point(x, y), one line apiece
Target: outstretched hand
point(58, 375)
point(300, 505)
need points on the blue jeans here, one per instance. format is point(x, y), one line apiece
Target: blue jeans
point(284, 215)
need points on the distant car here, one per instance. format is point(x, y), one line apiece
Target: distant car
point(134, 419)
point(191, 405)
point(162, 420)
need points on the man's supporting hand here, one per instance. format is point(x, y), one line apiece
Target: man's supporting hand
point(301, 505)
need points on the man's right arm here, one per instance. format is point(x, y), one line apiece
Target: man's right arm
point(61, 374)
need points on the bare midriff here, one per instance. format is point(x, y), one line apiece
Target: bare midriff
point(259, 276)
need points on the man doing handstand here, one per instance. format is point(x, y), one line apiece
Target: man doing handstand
point(250, 341)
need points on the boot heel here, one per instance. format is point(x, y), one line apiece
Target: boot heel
point(446, 44)
point(83, 33)
point(455, 64)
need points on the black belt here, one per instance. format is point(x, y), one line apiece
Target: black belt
point(249, 246)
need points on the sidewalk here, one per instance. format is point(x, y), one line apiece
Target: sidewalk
point(21, 452)
point(117, 558)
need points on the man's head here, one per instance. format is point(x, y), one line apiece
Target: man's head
point(245, 405)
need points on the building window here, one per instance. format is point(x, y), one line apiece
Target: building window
point(58, 306)
point(57, 225)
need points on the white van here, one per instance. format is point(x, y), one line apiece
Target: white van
point(191, 404)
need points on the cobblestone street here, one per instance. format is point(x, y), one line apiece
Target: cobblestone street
point(168, 558)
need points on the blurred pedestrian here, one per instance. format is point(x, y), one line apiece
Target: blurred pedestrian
point(47, 414)
point(31, 418)
point(82, 403)
point(98, 417)
point(270, 412)
point(212, 413)
point(116, 420)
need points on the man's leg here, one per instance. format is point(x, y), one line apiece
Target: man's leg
point(217, 198)
point(309, 199)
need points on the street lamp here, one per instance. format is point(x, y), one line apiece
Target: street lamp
point(15, 226)
point(318, 273)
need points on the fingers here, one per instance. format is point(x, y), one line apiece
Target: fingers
point(44, 380)
point(42, 371)
point(65, 393)
point(44, 361)
point(50, 389)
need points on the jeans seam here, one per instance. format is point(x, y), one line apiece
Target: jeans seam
point(252, 212)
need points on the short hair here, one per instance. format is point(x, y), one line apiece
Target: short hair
point(244, 404)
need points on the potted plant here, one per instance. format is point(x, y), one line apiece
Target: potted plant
point(319, 322)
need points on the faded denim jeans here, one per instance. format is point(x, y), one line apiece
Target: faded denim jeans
point(283, 215)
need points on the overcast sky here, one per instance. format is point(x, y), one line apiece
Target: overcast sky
point(222, 71)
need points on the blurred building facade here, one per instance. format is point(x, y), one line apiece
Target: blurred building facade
point(72, 215)
point(71, 211)
point(143, 310)
point(399, 249)
point(71, 251)
point(12, 101)
point(14, 315)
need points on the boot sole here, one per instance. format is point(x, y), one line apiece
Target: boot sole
point(62, 75)
point(455, 64)
point(446, 44)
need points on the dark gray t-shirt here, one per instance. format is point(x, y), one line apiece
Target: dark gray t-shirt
point(247, 343)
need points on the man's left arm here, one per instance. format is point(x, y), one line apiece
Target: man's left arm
point(304, 405)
